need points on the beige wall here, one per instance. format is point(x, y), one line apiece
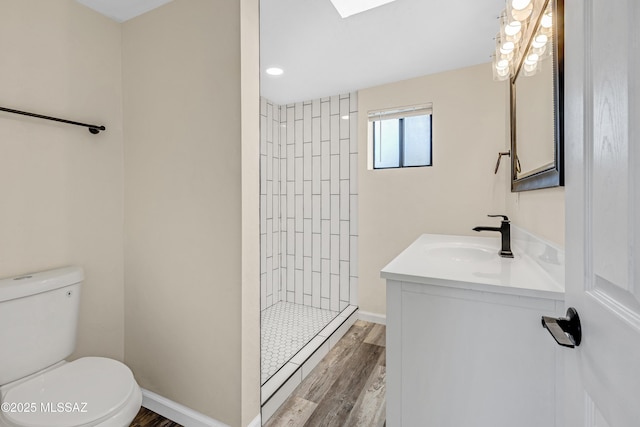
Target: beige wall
point(183, 205)
point(61, 187)
point(452, 196)
point(250, 59)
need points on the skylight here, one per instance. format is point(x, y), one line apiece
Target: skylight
point(350, 7)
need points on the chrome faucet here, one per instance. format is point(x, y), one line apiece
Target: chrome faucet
point(505, 231)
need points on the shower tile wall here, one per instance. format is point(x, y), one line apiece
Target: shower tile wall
point(308, 201)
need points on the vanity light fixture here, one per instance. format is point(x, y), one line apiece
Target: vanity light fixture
point(513, 31)
point(274, 71)
point(351, 7)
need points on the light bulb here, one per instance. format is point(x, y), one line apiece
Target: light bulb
point(513, 28)
point(501, 64)
point(507, 47)
point(539, 41)
point(547, 20)
point(520, 4)
point(274, 71)
point(532, 58)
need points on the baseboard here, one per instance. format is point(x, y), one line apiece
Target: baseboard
point(181, 414)
point(372, 317)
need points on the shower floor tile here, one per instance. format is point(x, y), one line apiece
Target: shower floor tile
point(286, 328)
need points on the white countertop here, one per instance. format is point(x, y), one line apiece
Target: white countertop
point(432, 259)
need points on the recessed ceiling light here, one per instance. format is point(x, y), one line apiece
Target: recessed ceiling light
point(351, 7)
point(274, 71)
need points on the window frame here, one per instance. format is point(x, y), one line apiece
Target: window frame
point(401, 142)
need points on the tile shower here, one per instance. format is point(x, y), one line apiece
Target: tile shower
point(308, 221)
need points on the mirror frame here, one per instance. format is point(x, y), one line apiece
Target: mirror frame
point(552, 176)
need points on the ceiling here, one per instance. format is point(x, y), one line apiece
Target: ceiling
point(122, 10)
point(323, 55)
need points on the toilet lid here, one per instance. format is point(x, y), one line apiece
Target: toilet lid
point(73, 394)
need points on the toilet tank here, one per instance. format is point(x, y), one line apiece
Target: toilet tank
point(38, 320)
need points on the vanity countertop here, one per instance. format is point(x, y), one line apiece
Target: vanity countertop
point(468, 262)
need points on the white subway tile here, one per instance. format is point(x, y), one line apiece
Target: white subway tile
point(290, 125)
point(299, 217)
point(353, 132)
point(269, 211)
point(315, 172)
point(315, 216)
point(307, 300)
point(335, 104)
point(263, 106)
point(269, 276)
point(263, 253)
point(315, 135)
point(307, 275)
point(291, 164)
point(299, 111)
point(263, 213)
point(299, 174)
point(344, 280)
point(283, 282)
point(307, 123)
point(291, 273)
point(315, 108)
point(307, 238)
point(326, 200)
point(325, 273)
point(325, 160)
point(335, 254)
point(291, 238)
point(326, 239)
point(263, 135)
point(299, 248)
point(299, 287)
point(263, 174)
point(335, 174)
point(307, 173)
point(291, 200)
point(353, 215)
point(335, 214)
point(344, 200)
point(269, 236)
point(344, 241)
point(269, 123)
point(335, 134)
point(344, 159)
point(325, 304)
point(316, 253)
point(353, 102)
point(335, 292)
point(307, 211)
point(316, 278)
point(344, 123)
point(299, 140)
point(325, 122)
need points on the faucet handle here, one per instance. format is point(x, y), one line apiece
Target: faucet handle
point(504, 217)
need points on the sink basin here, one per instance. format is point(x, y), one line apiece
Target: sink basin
point(460, 252)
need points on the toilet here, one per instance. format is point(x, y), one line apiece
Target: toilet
point(38, 388)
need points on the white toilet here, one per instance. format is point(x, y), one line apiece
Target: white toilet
point(38, 388)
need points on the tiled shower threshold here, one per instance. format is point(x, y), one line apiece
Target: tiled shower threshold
point(281, 384)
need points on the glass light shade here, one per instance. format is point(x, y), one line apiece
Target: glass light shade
point(520, 10)
point(540, 40)
point(532, 59)
point(501, 68)
point(547, 19)
point(510, 29)
point(530, 69)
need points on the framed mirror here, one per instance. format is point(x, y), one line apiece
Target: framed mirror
point(537, 104)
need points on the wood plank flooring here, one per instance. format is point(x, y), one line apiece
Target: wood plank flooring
point(147, 418)
point(347, 388)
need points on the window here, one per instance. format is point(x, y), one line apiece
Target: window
point(401, 138)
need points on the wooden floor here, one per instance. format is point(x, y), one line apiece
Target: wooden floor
point(347, 388)
point(147, 418)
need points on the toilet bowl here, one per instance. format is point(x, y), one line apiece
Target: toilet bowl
point(38, 388)
point(91, 391)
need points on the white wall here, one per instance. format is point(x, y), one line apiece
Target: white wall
point(309, 200)
point(61, 187)
point(450, 197)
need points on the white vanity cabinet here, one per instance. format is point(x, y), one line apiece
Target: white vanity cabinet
point(465, 345)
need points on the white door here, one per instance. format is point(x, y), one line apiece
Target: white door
point(602, 135)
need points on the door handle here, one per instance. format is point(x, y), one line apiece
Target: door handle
point(565, 330)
